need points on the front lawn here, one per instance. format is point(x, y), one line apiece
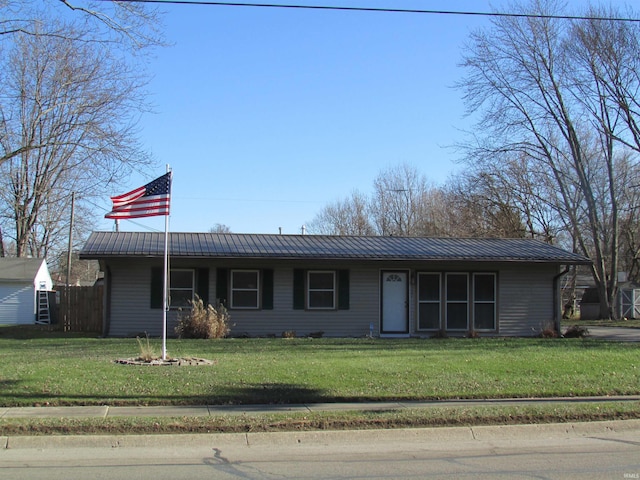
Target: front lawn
point(59, 370)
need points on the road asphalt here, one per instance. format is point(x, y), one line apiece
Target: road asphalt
point(618, 334)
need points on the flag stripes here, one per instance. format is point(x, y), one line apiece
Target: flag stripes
point(150, 200)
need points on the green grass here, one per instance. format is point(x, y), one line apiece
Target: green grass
point(54, 369)
point(352, 420)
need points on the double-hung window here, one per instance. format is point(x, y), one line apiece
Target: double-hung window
point(181, 287)
point(457, 301)
point(245, 289)
point(484, 301)
point(321, 291)
point(429, 301)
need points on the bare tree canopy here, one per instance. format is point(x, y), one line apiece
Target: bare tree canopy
point(132, 25)
point(344, 217)
point(71, 93)
point(404, 203)
point(398, 201)
point(557, 97)
point(220, 228)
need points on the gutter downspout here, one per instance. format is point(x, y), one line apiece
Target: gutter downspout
point(106, 302)
point(556, 298)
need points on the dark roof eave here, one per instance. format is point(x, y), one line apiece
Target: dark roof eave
point(557, 261)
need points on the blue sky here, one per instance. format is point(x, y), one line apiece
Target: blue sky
point(267, 115)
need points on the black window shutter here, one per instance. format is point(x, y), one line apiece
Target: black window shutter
point(267, 289)
point(222, 286)
point(343, 289)
point(202, 288)
point(298, 289)
point(156, 287)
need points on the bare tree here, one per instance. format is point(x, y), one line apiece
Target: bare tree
point(516, 197)
point(398, 203)
point(476, 206)
point(126, 30)
point(133, 25)
point(347, 217)
point(71, 88)
point(539, 87)
point(220, 228)
point(67, 124)
point(403, 203)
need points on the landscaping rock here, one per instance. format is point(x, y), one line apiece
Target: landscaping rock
point(185, 361)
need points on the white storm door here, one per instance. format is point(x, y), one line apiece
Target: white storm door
point(394, 303)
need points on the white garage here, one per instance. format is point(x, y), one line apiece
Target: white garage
point(24, 287)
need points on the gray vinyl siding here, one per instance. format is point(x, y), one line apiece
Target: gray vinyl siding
point(354, 322)
point(131, 314)
point(525, 303)
point(525, 298)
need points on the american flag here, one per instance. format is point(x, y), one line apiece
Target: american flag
point(148, 201)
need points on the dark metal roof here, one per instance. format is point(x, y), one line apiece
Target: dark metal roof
point(321, 247)
point(19, 269)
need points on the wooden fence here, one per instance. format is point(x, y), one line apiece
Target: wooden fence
point(80, 309)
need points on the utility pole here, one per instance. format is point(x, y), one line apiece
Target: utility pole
point(73, 200)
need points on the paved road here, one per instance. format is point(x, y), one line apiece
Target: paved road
point(599, 450)
point(615, 333)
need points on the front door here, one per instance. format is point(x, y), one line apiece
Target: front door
point(394, 303)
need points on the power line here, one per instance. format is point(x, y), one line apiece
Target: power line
point(381, 10)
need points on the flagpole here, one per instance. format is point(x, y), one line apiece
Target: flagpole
point(165, 288)
point(150, 200)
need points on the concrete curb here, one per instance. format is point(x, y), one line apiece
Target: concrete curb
point(435, 436)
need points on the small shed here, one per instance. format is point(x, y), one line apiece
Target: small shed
point(629, 301)
point(24, 283)
point(590, 304)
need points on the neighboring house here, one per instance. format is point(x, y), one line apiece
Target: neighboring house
point(340, 285)
point(21, 279)
point(627, 303)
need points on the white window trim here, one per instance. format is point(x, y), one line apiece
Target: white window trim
point(486, 302)
point(232, 290)
point(430, 302)
point(332, 290)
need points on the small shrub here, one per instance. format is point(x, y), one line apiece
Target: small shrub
point(576, 331)
point(317, 334)
point(472, 334)
point(289, 334)
point(548, 332)
point(203, 322)
point(147, 353)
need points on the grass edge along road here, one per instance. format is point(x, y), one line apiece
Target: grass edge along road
point(447, 416)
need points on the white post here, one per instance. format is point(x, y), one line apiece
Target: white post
point(165, 286)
